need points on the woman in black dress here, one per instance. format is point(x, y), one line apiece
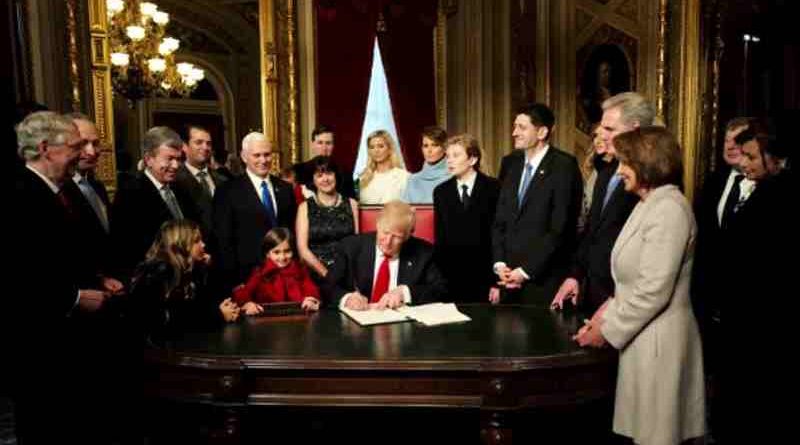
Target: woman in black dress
point(324, 219)
point(464, 208)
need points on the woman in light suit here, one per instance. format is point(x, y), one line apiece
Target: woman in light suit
point(660, 396)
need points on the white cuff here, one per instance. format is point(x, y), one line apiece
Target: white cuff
point(406, 294)
point(497, 266)
point(522, 272)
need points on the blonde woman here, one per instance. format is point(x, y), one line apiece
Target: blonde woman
point(170, 292)
point(383, 179)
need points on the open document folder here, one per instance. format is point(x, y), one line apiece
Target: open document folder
point(432, 314)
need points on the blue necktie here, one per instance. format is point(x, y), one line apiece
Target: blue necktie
point(266, 199)
point(526, 181)
point(612, 185)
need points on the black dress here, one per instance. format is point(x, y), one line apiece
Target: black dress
point(327, 226)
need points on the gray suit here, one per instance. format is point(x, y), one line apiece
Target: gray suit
point(202, 200)
point(660, 384)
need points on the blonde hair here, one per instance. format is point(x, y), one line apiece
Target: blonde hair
point(372, 166)
point(173, 245)
point(397, 214)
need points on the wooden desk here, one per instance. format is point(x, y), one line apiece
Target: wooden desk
point(507, 360)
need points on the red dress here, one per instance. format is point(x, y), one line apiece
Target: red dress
point(271, 284)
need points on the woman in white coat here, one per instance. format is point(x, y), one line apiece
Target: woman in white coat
point(660, 396)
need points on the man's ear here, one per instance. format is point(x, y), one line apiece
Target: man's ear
point(542, 133)
point(42, 147)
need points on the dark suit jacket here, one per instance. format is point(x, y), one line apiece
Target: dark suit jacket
point(355, 269)
point(464, 237)
point(539, 234)
point(304, 174)
point(136, 217)
point(94, 254)
point(592, 264)
point(240, 223)
point(202, 201)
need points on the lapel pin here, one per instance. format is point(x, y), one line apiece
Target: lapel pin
point(409, 264)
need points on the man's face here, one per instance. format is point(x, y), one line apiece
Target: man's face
point(90, 150)
point(754, 166)
point(163, 163)
point(610, 126)
point(63, 158)
point(732, 152)
point(391, 239)
point(323, 144)
point(198, 148)
point(258, 158)
point(458, 163)
point(526, 134)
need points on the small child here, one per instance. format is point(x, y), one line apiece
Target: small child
point(281, 278)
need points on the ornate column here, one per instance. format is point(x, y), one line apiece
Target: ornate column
point(102, 108)
point(269, 75)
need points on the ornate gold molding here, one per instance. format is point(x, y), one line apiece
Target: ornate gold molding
point(290, 27)
point(72, 48)
point(689, 106)
point(101, 92)
point(440, 62)
point(269, 75)
point(718, 48)
point(661, 60)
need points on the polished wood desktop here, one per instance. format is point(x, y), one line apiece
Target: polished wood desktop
point(507, 361)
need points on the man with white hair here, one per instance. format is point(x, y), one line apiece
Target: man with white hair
point(387, 268)
point(247, 207)
point(44, 286)
point(590, 279)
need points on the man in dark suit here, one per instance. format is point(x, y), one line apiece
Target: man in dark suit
point(464, 207)
point(537, 211)
point(247, 207)
point(385, 269)
point(44, 284)
point(322, 144)
point(194, 175)
point(611, 205)
point(151, 199)
point(93, 206)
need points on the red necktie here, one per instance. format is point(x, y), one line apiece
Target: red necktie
point(381, 282)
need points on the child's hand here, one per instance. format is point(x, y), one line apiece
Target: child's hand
point(229, 309)
point(251, 308)
point(310, 304)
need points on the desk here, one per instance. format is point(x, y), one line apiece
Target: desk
point(507, 360)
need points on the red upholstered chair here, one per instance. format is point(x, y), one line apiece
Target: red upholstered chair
point(424, 228)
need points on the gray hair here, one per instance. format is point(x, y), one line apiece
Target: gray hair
point(39, 127)
point(253, 136)
point(634, 108)
point(158, 136)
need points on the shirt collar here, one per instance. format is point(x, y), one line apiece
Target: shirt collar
point(158, 184)
point(537, 158)
point(53, 186)
point(193, 170)
point(469, 181)
point(256, 180)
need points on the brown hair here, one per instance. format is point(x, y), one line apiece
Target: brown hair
point(653, 154)
point(274, 237)
point(470, 145)
point(173, 245)
point(436, 134)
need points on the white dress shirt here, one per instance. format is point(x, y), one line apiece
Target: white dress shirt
point(394, 265)
point(209, 180)
point(257, 180)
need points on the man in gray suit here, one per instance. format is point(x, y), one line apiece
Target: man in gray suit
point(194, 175)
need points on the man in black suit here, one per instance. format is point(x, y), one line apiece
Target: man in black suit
point(537, 212)
point(194, 175)
point(464, 207)
point(44, 284)
point(247, 207)
point(387, 268)
point(590, 277)
point(151, 199)
point(93, 205)
point(322, 144)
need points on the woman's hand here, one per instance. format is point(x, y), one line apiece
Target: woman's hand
point(251, 308)
point(310, 304)
point(230, 310)
point(494, 295)
point(590, 334)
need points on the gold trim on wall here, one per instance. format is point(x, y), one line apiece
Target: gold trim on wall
point(688, 116)
point(269, 75)
point(291, 26)
point(72, 33)
point(440, 64)
point(661, 61)
point(102, 107)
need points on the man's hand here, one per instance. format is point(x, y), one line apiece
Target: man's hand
point(515, 278)
point(391, 300)
point(90, 300)
point(590, 335)
point(111, 285)
point(568, 291)
point(494, 295)
point(230, 310)
point(310, 304)
point(251, 308)
point(356, 301)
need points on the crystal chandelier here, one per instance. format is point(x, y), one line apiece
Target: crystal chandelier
point(143, 56)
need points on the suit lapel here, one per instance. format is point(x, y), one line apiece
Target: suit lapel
point(542, 171)
point(631, 226)
point(252, 195)
point(366, 266)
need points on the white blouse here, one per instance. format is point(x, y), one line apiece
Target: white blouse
point(384, 187)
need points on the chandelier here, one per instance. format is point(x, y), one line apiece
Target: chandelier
point(143, 56)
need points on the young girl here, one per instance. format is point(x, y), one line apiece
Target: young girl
point(281, 278)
